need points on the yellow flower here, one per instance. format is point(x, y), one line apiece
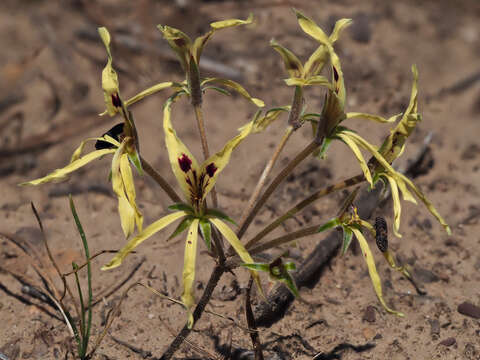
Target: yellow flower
point(196, 181)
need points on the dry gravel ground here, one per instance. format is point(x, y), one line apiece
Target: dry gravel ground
point(50, 96)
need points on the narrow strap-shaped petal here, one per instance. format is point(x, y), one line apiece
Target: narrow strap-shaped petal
point(397, 206)
point(177, 151)
point(60, 174)
point(179, 42)
point(427, 203)
point(340, 25)
point(233, 240)
point(149, 231)
point(109, 77)
point(129, 186)
point(150, 91)
point(315, 62)
point(78, 151)
point(125, 209)
point(372, 270)
point(380, 119)
point(235, 86)
point(292, 64)
point(188, 275)
point(261, 122)
point(358, 154)
point(217, 162)
point(222, 24)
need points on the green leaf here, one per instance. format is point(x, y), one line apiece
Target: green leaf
point(87, 328)
point(215, 213)
point(184, 224)
point(329, 225)
point(206, 230)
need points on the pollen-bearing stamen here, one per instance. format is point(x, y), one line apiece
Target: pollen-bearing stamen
point(185, 163)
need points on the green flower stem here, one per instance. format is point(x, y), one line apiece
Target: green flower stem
point(203, 137)
point(310, 148)
point(160, 180)
point(315, 196)
point(285, 239)
point(265, 173)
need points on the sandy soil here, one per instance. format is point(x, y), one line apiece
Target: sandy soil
point(50, 96)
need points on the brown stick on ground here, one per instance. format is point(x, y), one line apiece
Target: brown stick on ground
point(308, 274)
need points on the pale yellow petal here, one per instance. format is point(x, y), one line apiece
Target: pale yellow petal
point(60, 174)
point(237, 87)
point(176, 150)
point(397, 206)
point(358, 154)
point(188, 275)
point(150, 91)
point(340, 25)
point(233, 240)
point(231, 22)
point(380, 119)
point(292, 64)
point(372, 270)
point(149, 231)
point(219, 160)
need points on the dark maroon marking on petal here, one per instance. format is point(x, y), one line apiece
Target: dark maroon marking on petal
point(189, 182)
point(180, 42)
point(335, 74)
point(116, 100)
point(211, 169)
point(185, 163)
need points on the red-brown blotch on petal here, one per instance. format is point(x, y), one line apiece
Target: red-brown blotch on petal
point(211, 168)
point(185, 163)
point(116, 100)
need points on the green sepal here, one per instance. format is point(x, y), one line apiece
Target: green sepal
point(184, 225)
point(321, 153)
point(347, 239)
point(206, 231)
point(329, 225)
point(182, 207)
point(135, 160)
point(215, 213)
point(258, 267)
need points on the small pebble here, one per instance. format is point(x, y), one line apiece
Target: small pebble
point(448, 341)
point(468, 309)
point(369, 314)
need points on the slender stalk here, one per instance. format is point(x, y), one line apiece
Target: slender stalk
point(296, 109)
point(285, 239)
point(302, 204)
point(197, 313)
point(203, 137)
point(160, 180)
point(265, 173)
point(310, 148)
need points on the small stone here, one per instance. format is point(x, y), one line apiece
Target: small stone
point(448, 341)
point(435, 328)
point(369, 314)
point(468, 309)
point(368, 333)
